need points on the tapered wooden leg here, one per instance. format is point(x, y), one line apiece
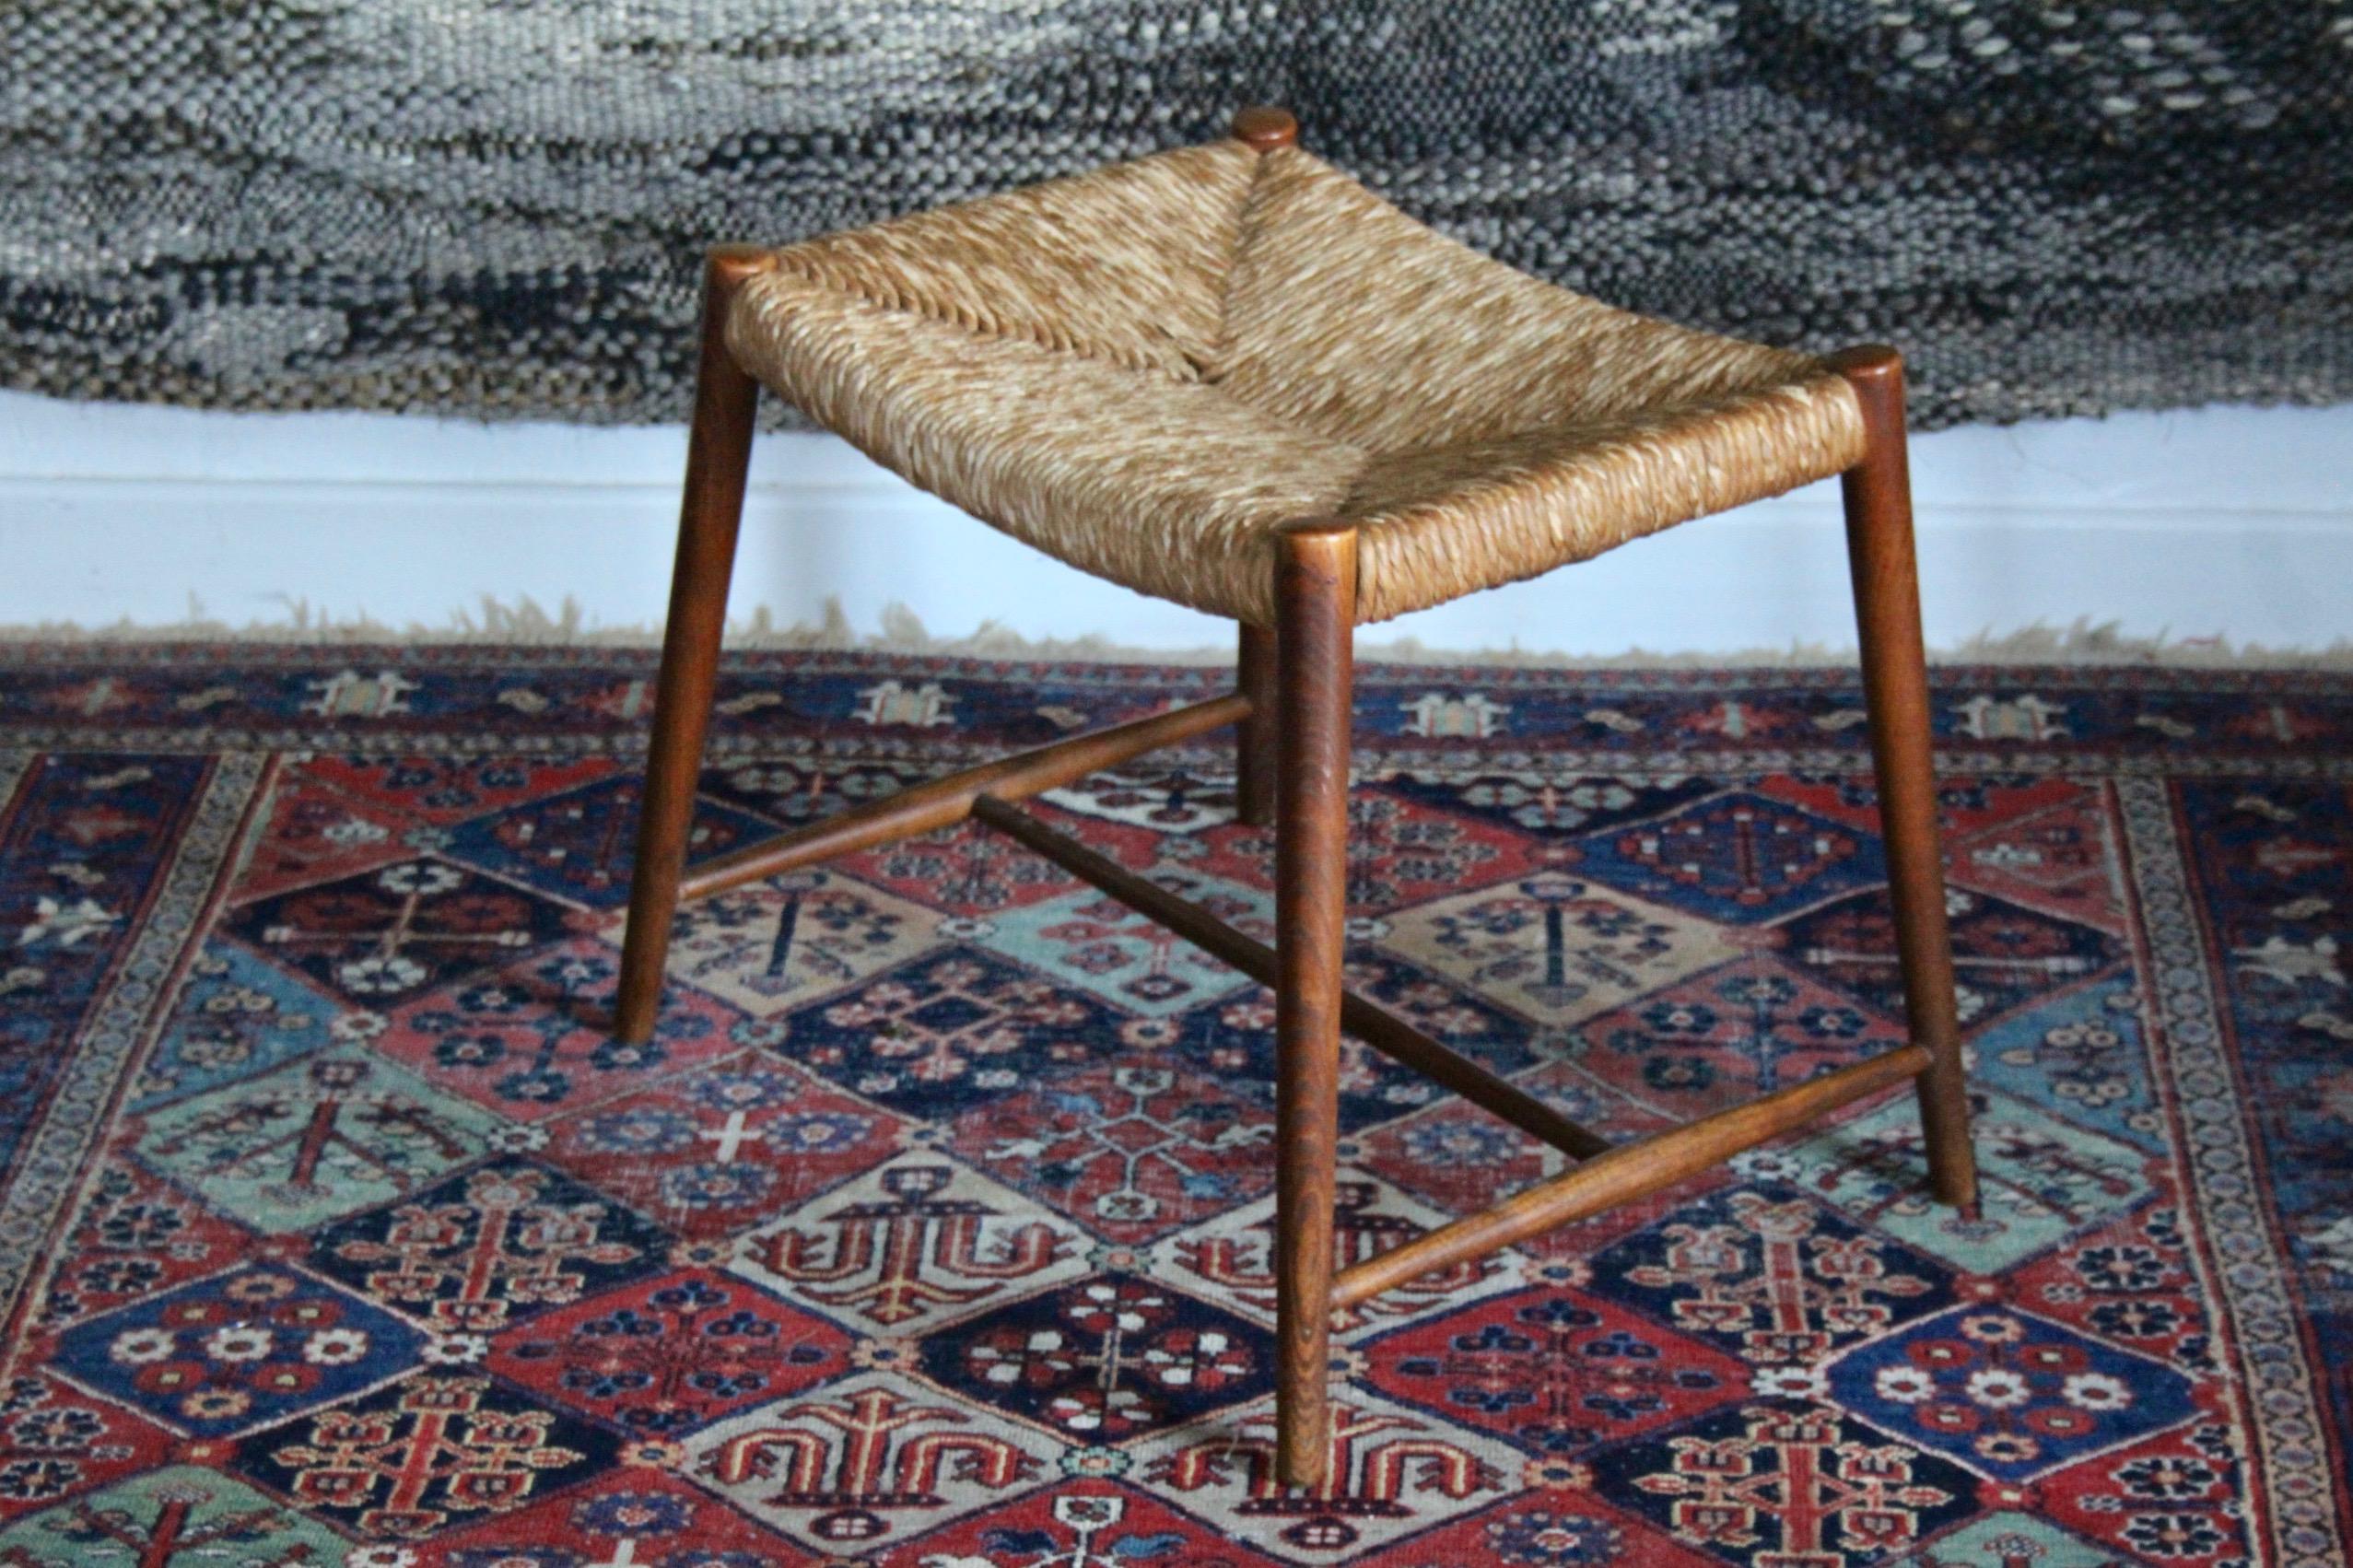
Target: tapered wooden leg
point(1253, 677)
point(1895, 686)
point(1316, 592)
point(718, 451)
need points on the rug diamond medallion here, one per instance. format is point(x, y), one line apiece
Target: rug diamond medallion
point(1740, 856)
point(794, 940)
point(430, 1451)
point(914, 1243)
point(501, 1242)
point(1556, 1370)
point(386, 935)
point(1557, 949)
point(1782, 1481)
point(670, 1356)
point(533, 1040)
point(1104, 1359)
point(2007, 1395)
point(317, 1139)
point(867, 1461)
point(1393, 1472)
point(713, 1152)
point(576, 845)
point(174, 1514)
point(242, 1350)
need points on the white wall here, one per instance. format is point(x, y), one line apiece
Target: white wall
point(2227, 523)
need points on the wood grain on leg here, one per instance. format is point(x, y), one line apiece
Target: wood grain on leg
point(719, 448)
point(1895, 684)
point(1314, 593)
point(1253, 677)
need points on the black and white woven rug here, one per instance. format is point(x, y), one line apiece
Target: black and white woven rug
point(492, 206)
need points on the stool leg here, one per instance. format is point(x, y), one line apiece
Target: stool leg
point(1316, 590)
point(1253, 677)
point(1895, 686)
point(719, 449)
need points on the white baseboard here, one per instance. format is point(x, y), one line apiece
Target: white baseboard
point(2226, 523)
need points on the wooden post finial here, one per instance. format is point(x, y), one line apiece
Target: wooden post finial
point(1266, 128)
point(1875, 362)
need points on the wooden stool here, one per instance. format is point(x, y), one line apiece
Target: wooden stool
point(1230, 376)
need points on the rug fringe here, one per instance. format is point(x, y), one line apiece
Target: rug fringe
point(525, 623)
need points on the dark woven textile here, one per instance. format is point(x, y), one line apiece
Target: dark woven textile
point(492, 206)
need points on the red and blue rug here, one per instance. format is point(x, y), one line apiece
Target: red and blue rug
point(930, 1231)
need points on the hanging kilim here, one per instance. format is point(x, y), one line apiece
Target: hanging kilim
point(495, 206)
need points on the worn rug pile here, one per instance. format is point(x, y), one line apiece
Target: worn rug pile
point(931, 1230)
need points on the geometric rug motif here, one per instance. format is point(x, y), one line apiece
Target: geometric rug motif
point(1783, 1482)
point(665, 1357)
point(238, 1016)
point(315, 831)
point(501, 1242)
point(1104, 1359)
point(1740, 857)
point(137, 1235)
point(1556, 1370)
point(178, 1513)
point(793, 940)
point(933, 1227)
point(1539, 804)
point(2079, 1055)
point(637, 1517)
point(2039, 1180)
point(577, 844)
point(2008, 1394)
point(866, 1461)
point(1556, 948)
point(2177, 1495)
point(1728, 1035)
point(1080, 1523)
point(242, 1350)
point(914, 1243)
point(2045, 844)
point(1101, 945)
point(1231, 1042)
point(1770, 1275)
point(321, 1137)
point(1459, 1159)
point(712, 1152)
point(1392, 1471)
point(532, 1041)
point(423, 1454)
point(1131, 1153)
point(1230, 1261)
point(1398, 855)
point(57, 1442)
point(2004, 955)
point(383, 936)
point(947, 1033)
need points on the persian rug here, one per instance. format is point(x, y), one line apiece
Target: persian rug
point(495, 206)
point(930, 1230)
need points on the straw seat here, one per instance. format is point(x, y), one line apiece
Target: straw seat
point(1147, 370)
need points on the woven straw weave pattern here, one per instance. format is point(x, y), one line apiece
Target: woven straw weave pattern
point(1147, 370)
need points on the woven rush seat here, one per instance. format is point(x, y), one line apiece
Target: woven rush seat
point(1147, 370)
